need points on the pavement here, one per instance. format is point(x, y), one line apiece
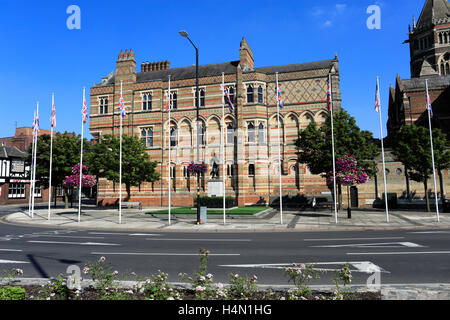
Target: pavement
point(268, 220)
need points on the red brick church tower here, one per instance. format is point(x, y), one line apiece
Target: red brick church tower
point(429, 41)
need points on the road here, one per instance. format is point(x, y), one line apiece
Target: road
point(405, 257)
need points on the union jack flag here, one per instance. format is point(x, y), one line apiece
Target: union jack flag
point(377, 98)
point(329, 97)
point(36, 124)
point(84, 111)
point(278, 93)
point(53, 118)
point(429, 102)
point(122, 108)
point(228, 99)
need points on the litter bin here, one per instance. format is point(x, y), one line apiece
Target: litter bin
point(446, 206)
point(203, 214)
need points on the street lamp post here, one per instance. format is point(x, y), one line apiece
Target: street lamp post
point(197, 105)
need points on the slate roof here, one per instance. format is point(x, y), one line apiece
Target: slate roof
point(11, 152)
point(434, 12)
point(433, 82)
point(216, 69)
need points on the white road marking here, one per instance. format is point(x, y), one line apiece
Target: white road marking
point(203, 240)
point(77, 243)
point(373, 245)
point(73, 237)
point(394, 253)
point(356, 239)
point(126, 234)
point(162, 254)
point(12, 261)
point(428, 232)
point(360, 266)
point(12, 250)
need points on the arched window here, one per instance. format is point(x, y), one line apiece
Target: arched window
point(260, 95)
point(173, 137)
point(147, 136)
point(230, 133)
point(251, 132)
point(250, 96)
point(202, 98)
point(103, 106)
point(440, 38)
point(231, 93)
point(147, 101)
point(261, 133)
point(202, 130)
point(442, 69)
point(447, 68)
point(251, 169)
point(174, 100)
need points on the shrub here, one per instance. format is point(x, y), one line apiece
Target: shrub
point(12, 293)
point(216, 202)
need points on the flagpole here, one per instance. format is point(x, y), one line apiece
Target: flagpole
point(81, 159)
point(382, 150)
point(170, 158)
point(223, 149)
point(332, 147)
point(432, 151)
point(120, 156)
point(32, 166)
point(51, 159)
point(279, 153)
point(35, 154)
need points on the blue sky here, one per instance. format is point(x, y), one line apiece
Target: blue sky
point(40, 55)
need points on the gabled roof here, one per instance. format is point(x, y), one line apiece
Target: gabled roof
point(216, 69)
point(11, 152)
point(324, 64)
point(434, 12)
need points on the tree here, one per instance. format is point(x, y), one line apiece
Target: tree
point(66, 153)
point(412, 147)
point(103, 161)
point(314, 145)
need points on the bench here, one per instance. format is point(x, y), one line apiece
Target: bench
point(131, 205)
point(321, 203)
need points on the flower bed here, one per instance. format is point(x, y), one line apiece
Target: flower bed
point(106, 286)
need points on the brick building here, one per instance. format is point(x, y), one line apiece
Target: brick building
point(429, 41)
point(251, 148)
point(14, 171)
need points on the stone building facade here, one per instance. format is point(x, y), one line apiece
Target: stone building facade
point(251, 132)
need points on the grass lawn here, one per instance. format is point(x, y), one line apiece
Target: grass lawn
point(236, 211)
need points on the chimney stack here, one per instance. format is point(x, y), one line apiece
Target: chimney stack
point(155, 66)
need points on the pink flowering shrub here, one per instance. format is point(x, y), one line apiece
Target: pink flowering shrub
point(87, 181)
point(348, 173)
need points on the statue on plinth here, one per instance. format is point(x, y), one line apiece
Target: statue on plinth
point(215, 167)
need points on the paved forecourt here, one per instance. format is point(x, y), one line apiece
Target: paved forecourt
point(267, 220)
